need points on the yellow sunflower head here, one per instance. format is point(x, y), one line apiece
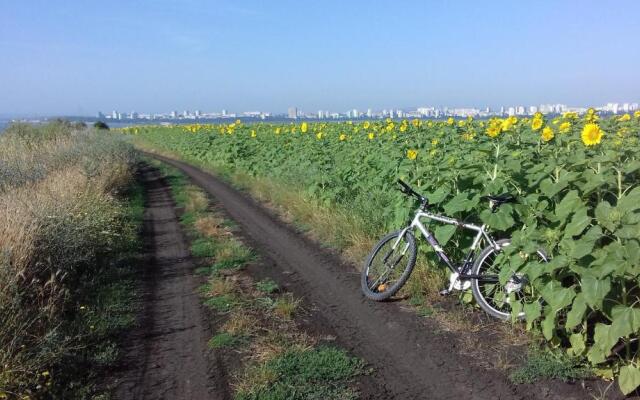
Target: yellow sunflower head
point(591, 134)
point(536, 124)
point(547, 134)
point(565, 127)
point(412, 154)
point(304, 127)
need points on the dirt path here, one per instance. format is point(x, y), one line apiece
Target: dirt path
point(167, 356)
point(412, 359)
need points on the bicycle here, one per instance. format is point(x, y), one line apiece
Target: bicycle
point(478, 273)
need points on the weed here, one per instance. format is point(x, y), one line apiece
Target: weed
point(224, 339)
point(221, 303)
point(267, 286)
point(285, 306)
point(203, 247)
point(549, 365)
point(301, 374)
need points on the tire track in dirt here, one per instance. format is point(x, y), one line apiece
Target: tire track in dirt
point(167, 356)
point(412, 358)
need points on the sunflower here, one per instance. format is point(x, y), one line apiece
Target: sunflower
point(591, 134)
point(343, 137)
point(371, 136)
point(253, 133)
point(304, 127)
point(536, 124)
point(366, 124)
point(547, 134)
point(625, 117)
point(450, 121)
point(412, 154)
point(565, 127)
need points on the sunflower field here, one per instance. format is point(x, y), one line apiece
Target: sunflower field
point(576, 178)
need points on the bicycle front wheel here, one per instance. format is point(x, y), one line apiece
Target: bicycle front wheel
point(389, 266)
point(498, 299)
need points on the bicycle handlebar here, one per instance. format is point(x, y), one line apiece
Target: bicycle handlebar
point(406, 189)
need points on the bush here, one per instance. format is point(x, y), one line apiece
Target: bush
point(100, 125)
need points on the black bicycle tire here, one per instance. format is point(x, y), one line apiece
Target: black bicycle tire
point(403, 278)
point(475, 288)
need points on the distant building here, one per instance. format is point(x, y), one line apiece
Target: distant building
point(369, 113)
point(292, 112)
point(224, 113)
point(197, 113)
point(174, 114)
point(114, 114)
point(100, 115)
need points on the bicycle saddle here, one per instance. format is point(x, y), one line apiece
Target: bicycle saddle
point(500, 199)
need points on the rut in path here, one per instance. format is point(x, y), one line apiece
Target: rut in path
point(411, 359)
point(166, 357)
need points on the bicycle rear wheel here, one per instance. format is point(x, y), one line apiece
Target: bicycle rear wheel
point(496, 299)
point(387, 268)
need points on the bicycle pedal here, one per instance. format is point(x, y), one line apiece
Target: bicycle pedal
point(445, 292)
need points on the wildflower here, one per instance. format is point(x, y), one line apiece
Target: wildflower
point(637, 114)
point(366, 124)
point(547, 134)
point(536, 124)
point(412, 154)
point(565, 127)
point(304, 127)
point(416, 122)
point(343, 137)
point(591, 134)
point(371, 136)
point(403, 128)
point(253, 133)
point(434, 142)
point(277, 130)
point(625, 117)
point(319, 135)
point(389, 126)
point(570, 115)
point(450, 121)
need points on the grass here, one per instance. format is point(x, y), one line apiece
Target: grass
point(224, 339)
point(285, 306)
point(301, 374)
point(267, 286)
point(549, 365)
point(68, 226)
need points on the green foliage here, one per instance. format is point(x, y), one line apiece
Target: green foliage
point(320, 373)
point(548, 365)
point(580, 203)
point(222, 303)
point(203, 247)
point(224, 339)
point(267, 286)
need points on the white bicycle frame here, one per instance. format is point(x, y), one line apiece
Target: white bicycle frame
point(417, 223)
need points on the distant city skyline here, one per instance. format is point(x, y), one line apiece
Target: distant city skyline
point(294, 112)
point(76, 57)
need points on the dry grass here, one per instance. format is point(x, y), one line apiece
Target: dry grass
point(239, 323)
point(58, 217)
point(286, 306)
point(210, 225)
point(223, 285)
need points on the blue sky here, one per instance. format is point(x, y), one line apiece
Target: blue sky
point(78, 57)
